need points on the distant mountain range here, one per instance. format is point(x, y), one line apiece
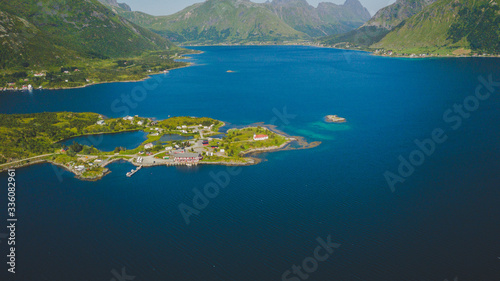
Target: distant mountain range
point(326, 19)
point(54, 32)
point(242, 21)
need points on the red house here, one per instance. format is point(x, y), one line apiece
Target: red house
point(260, 137)
point(188, 157)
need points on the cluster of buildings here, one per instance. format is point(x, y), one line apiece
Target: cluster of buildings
point(12, 87)
point(187, 157)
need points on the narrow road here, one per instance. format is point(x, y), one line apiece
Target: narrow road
point(31, 158)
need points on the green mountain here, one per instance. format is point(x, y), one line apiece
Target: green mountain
point(114, 3)
point(242, 21)
point(23, 44)
point(381, 23)
point(392, 15)
point(219, 21)
point(326, 19)
point(448, 27)
point(73, 43)
point(48, 32)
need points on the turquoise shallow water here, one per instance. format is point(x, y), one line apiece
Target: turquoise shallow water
point(440, 223)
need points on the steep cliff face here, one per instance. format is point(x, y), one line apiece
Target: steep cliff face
point(240, 21)
point(391, 16)
point(326, 19)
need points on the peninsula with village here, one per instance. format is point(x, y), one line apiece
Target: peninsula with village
point(29, 139)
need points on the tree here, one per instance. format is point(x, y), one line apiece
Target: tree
point(76, 147)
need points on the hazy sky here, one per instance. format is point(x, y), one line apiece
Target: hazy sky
point(167, 7)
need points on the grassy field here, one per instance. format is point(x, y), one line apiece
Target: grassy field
point(240, 140)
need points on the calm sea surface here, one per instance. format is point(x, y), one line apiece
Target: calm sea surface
point(442, 222)
point(108, 142)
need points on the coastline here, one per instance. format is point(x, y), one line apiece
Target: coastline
point(189, 64)
point(247, 157)
point(346, 49)
point(43, 161)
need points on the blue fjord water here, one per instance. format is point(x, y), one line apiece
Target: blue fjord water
point(441, 223)
point(108, 142)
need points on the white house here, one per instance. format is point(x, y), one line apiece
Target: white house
point(101, 122)
point(140, 123)
point(168, 148)
point(260, 137)
point(148, 146)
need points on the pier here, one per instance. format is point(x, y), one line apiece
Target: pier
point(132, 172)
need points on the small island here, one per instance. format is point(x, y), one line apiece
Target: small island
point(334, 119)
point(29, 139)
